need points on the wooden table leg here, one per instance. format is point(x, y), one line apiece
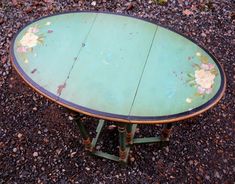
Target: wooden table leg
point(85, 136)
point(122, 142)
point(129, 133)
point(166, 132)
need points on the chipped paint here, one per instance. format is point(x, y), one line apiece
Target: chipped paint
point(60, 88)
point(34, 70)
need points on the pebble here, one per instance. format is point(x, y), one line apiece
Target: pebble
point(207, 177)
point(35, 154)
point(14, 149)
point(217, 175)
point(19, 135)
point(132, 159)
point(93, 3)
point(71, 118)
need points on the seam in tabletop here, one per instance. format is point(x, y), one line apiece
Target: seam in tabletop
point(142, 73)
point(78, 53)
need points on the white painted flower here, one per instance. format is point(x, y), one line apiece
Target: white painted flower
point(29, 40)
point(26, 61)
point(204, 79)
point(188, 100)
point(48, 23)
point(198, 54)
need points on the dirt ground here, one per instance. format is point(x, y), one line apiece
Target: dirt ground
point(39, 143)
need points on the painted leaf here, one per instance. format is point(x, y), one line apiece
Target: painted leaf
point(196, 66)
point(214, 71)
point(204, 59)
point(190, 75)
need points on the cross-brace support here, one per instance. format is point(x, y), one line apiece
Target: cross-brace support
point(126, 139)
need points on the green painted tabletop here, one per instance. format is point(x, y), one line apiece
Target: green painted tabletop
point(117, 67)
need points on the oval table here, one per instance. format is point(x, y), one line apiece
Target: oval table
point(117, 68)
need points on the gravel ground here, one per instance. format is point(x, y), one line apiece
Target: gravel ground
point(40, 144)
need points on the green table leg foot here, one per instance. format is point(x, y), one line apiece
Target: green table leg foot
point(85, 136)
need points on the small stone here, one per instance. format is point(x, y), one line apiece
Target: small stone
point(19, 135)
point(203, 34)
point(35, 108)
point(72, 154)
point(207, 177)
point(217, 174)
point(132, 159)
point(35, 154)
point(14, 149)
point(93, 3)
point(87, 168)
point(70, 118)
point(98, 147)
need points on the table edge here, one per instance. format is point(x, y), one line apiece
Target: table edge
point(116, 117)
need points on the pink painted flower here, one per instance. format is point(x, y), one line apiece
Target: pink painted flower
point(29, 40)
point(205, 66)
point(208, 91)
point(211, 66)
point(208, 66)
point(201, 90)
point(22, 49)
point(33, 30)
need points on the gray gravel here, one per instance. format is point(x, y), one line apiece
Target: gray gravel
point(39, 143)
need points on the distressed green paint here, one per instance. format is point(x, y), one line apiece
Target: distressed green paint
point(49, 62)
point(110, 64)
point(163, 88)
point(116, 64)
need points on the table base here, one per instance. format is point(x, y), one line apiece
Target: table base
point(126, 139)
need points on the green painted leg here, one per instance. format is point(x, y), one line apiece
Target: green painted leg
point(85, 135)
point(129, 133)
point(122, 142)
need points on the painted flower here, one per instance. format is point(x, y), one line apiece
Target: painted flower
point(33, 30)
point(198, 54)
point(188, 100)
point(48, 23)
point(208, 66)
point(22, 49)
point(29, 40)
point(204, 78)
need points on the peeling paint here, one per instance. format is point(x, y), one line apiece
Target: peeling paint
point(34, 70)
point(60, 88)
